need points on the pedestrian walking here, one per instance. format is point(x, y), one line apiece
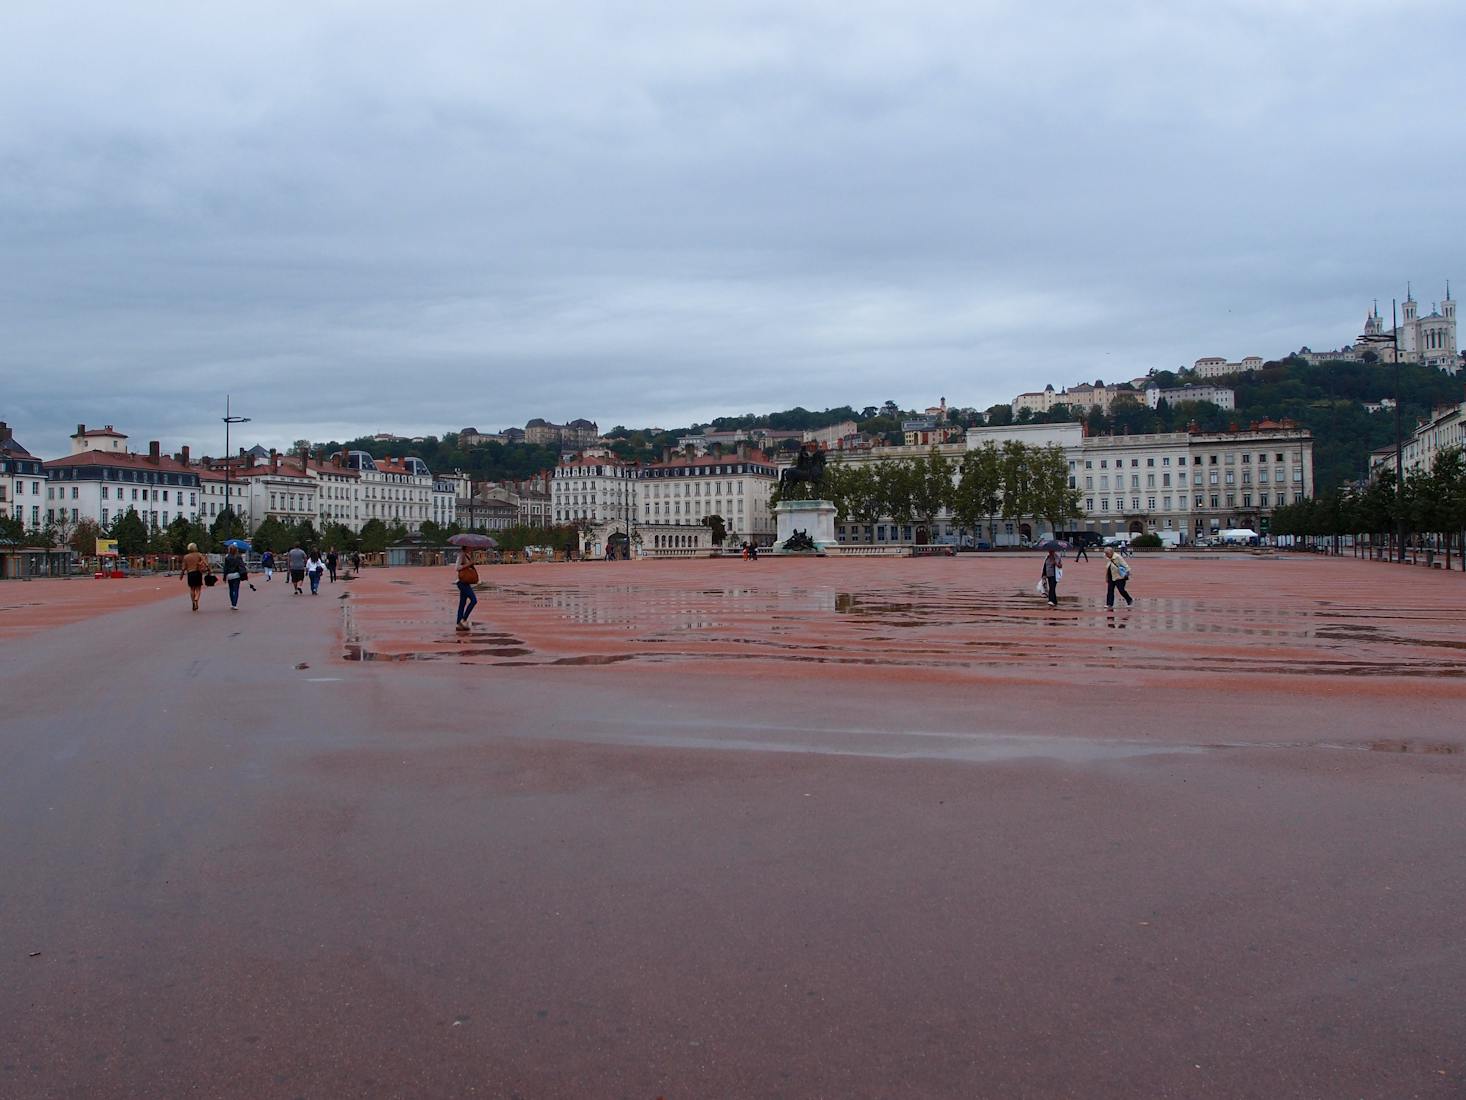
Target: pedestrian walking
point(234, 574)
point(315, 567)
point(1052, 571)
point(1081, 550)
point(1117, 574)
point(195, 568)
point(356, 563)
point(295, 560)
point(331, 560)
point(267, 563)
point(467, 600)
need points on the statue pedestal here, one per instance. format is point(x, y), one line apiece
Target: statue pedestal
point(814, 517)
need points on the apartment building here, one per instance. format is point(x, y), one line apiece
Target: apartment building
point(22, 481)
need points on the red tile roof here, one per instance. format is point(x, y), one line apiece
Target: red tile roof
point(123, 458)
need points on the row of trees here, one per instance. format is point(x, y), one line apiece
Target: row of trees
point(1011, 481)
point(1430, 508)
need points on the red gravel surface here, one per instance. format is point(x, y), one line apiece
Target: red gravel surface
point(801, 828)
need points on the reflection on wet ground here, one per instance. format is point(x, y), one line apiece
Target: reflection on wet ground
point(1191, 618)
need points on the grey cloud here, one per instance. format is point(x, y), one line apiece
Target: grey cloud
point(485, 214)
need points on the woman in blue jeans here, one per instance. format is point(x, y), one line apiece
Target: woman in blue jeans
point(467, 601)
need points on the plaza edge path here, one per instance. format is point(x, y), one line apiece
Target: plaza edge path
point(228, 876)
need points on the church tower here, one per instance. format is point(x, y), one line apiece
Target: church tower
point(1409, 308)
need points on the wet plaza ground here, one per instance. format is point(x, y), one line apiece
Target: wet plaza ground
point(839, 828)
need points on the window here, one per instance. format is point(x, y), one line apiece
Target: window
point(1150, 462)
point(1167, 461)
point(1150, 481)
point(1247, 458)
point(1231, 500)
point(1135, 504)
point(1213, 460)
point(1199, 500)
point(1089, 483)
point(1231, 477)
point(1166, 480)
point(1104, 463)
point(1089, 504)
point(1104, 505)
point(1135, 481)
point(1214, 477)
point(1247, 500)
point(1134, 462)
point(1104, 482)
point(1278, 457)
point(1166, 503)
point(1150, 504)
point(1216, 500)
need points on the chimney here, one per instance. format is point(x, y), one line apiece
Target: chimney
point(81, 429)
point(153, 452)
point(5, 434)
point(337, 460)
point(183, 456)
point(717, 450)
point(274, 461)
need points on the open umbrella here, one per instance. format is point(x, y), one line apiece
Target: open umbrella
point(1051, 544)
point(472, 541)
point(238, 544)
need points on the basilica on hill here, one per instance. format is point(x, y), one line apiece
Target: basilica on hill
point(1430, 339)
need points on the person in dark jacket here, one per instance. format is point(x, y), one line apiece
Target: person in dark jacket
point(235, 573)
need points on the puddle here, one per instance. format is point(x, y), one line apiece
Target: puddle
point(1426, 748)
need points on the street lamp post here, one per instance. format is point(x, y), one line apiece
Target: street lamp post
point(228, 422)
point(1394, 340)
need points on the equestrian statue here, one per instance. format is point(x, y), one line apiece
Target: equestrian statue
point(808, 468)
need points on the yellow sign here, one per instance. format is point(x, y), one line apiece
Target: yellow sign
point(106, 547)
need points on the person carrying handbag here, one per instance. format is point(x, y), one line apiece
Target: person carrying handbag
point(234, 573)
point(1117, 575)
point(467, 601)
point(195, 568)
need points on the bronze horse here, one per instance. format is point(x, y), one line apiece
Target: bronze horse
point(808, 467)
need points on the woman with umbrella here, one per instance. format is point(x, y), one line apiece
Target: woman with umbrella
point(468, 574)
point(1052, 569)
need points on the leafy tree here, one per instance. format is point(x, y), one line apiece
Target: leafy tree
point(226, 525)
point(340, 536)
point(432, 533)
point(130, 532)
point(305, 535)
point(979, 487)
point(1000, 415)
point(374, 536)
point(1048, 482)
point(1017, 474)
point(84, 537)
point(931, 486)
point(12, 530)
point(272, 535)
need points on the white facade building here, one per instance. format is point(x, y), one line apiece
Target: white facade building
point(393, 490)
point(100, 485)
point(22, 481)
point(1215, 366)
point(677, 493)
point(1220, 396)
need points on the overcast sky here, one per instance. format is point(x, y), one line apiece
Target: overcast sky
point(360, 217)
